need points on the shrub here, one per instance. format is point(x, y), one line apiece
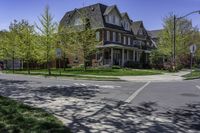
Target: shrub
point(116, 67)
point(132, 64)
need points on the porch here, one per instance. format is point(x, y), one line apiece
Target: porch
point(119, 55)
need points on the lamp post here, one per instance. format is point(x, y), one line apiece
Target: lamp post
point(174, 37)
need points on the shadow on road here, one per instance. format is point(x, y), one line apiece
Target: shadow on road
point(77, 107)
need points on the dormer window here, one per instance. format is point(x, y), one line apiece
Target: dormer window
point(113, 19)
point(140, 32)
point(107, 18)
point(78, 21)
point(126, 25)
point(110, 19)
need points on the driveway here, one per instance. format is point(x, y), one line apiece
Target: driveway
point(121, 107)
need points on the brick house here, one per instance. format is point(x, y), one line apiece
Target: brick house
point(122, 38)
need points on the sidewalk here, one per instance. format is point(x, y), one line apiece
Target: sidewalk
point(157, 78)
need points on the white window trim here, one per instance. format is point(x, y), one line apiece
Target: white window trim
point(119, 37)
point(98, 36)
point(129, 40)
point(124, 40)
point(107, 35)
point(114, 37)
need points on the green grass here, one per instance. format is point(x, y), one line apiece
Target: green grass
point(194, 75)
point(16, 117)
point(96, 72)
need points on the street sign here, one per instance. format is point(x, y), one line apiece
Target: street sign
point(193, 48)
point(58, 52)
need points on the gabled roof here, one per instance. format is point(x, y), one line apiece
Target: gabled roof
point(136, 26)
point(155, 33)
point(110, 8)
point(96, 14)
point(125, 14)
point(93, 12)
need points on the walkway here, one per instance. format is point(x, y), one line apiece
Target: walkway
point(157, 78)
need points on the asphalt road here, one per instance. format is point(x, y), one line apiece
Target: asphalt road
point(106, 106)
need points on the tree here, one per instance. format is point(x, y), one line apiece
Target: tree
point(27, 42)
point(3, 46)
point(66, 38)
point(48, 32)
point(184, 35)
point(86, 41)
point(12, 41)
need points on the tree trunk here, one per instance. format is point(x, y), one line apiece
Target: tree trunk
point(6, 65)
point(13, 62)
point(64, 61)
point(48, 62)
point(28, 67)
point(85, 65)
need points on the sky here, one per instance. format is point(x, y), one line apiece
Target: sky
point(151, 12)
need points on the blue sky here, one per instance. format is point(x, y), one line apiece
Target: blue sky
point(150, 11)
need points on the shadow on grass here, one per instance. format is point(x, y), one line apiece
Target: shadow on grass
point(17, 118)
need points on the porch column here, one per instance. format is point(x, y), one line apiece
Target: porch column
point(122, 57)
point(134, 55)
point(111, 56)
point(138, 56)
point(146, 60)
point(127, 55)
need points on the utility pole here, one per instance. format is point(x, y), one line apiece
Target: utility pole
point(174, 46)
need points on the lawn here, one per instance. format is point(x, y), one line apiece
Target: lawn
point(194, 75)
point(16, 117)
point(95, 72)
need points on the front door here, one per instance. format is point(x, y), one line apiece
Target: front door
point(117, 57)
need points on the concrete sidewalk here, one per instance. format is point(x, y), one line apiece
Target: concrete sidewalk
point(166, 77)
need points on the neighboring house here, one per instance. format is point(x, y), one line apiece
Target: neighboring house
point(122, 39)
point(155, 35)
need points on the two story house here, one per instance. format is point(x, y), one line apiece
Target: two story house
point(122, 39)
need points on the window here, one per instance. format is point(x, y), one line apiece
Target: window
point(123, 23)
point(98, 36)
point(127, 26)
point(140, 32)
point(113, 19)
point(108, 35)
point(119, 37)
point(129, 41)
point(78, 21)
point(114, 36)
point(110, 18)
point(124, 40)
point(107, 19)
point(135, 42)
point(117, 21)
